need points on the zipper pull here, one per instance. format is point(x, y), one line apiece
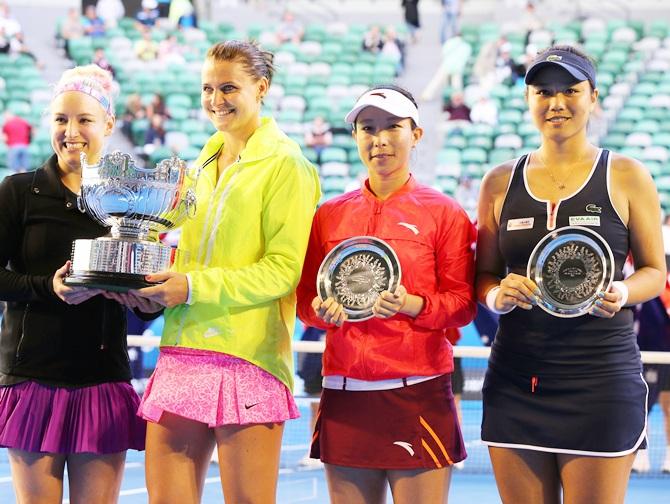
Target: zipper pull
point(534, 380)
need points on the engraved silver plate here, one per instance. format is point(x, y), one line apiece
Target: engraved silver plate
point(136, 203)
point(570, 266)
point(355, 272)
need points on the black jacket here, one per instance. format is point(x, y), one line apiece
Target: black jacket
point(43, 338)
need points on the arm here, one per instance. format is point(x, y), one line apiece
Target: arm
point(306, 291)
point(453, 304)
point(290, 200)
point(15, 286)
point(515, 290)
point(635, 198)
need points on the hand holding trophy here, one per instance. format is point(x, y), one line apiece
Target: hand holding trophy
point(138, 204)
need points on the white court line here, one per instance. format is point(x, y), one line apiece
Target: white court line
point(6, 479)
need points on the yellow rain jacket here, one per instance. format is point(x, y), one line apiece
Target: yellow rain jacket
point(244, 252)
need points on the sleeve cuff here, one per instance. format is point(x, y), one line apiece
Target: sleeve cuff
point(189, 297)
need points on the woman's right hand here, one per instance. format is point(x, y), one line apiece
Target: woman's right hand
point(516, 290)
point(71, 295)
point(134, 302)
point(330, 311)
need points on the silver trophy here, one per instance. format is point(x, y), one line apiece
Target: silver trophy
point(355, 272)
point(137, 204)
point(570, 266)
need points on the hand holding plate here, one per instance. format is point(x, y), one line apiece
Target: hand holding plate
point(516, 290)
point(608, 303)
point(330, 311)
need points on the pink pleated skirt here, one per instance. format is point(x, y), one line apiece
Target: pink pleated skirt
point(215, 389)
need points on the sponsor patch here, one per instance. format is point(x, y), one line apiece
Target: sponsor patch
point(585, 220)
point(523, 223)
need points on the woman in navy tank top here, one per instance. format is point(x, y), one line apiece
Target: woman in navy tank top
point(564, 400)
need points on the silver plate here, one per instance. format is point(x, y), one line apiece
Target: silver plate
point(355, 272)
point(570, 266)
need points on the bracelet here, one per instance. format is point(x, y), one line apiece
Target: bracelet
point(623, 289)
point(491, 301)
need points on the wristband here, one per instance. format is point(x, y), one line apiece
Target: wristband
point(491, 301)
point(623, 289)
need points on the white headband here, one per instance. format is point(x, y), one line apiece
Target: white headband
point(388, 100)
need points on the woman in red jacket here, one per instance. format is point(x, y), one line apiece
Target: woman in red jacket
point(387, 413)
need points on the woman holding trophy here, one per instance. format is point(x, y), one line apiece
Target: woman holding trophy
point(65, 393)
point(388, 363)
point(224, 375)
point(564, 400)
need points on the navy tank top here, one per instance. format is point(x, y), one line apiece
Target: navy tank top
point(534, 341)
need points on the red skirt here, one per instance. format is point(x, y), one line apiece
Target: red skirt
point(411, 427)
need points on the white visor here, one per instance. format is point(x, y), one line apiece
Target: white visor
point(389, 100)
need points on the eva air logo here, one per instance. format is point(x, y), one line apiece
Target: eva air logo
point(554, 57)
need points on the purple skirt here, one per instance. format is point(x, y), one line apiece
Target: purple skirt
point(100, 419)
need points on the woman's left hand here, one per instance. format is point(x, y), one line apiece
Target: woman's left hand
point(608, 303)
point(171, 292)
point(390, 303)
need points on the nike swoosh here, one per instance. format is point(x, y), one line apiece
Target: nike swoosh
point(249, 406)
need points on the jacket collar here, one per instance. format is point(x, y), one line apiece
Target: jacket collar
point(47, 182)
point(407, 187)
point(262, 144)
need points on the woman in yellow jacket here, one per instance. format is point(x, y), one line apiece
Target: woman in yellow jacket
point(224, 375)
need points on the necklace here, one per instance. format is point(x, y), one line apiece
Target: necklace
point(560, 184)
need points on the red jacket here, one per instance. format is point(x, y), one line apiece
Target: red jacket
point(433, 239)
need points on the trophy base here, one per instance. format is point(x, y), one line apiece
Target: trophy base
point(115, 282)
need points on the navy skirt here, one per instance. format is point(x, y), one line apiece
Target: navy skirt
point(604, 416)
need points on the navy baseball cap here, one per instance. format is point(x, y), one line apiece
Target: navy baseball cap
point(580, 68)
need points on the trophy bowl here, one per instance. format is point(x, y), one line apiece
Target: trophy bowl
point(137, 204)
point(570, 266)
point(355, 272)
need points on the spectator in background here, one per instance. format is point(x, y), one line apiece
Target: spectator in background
point(18, 47)
point(155, 135)
point(393, 48)
point(170, 51)
point(146, 48)
point(72, 28)
point(93, 24)
point(164, 7)
point(100, 59)
point(17, 132)
point(372, 39)
point(134, 111)
point(290, 29)
point(451, 12)
point(8, 23)
point(411, 8)
point(506, 69)
point(455, 54)
point(456, 109)
point(157, 107)
point(5, 42)
point(484, 111)
point(182, 14)
point(110, 11)
point(148, 15)
point(318, 136)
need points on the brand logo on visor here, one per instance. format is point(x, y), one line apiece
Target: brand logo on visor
point(378, 94)
point(554, 57)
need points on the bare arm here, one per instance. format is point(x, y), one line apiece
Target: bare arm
point(636, 199)
point(515, 290)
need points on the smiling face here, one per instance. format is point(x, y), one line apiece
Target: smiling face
point(78, 124)
point(231, 97)
point(385, 141)
point(560, 106)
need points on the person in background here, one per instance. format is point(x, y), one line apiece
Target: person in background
point(17, 132)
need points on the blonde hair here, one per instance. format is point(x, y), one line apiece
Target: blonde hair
point(92, 80)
